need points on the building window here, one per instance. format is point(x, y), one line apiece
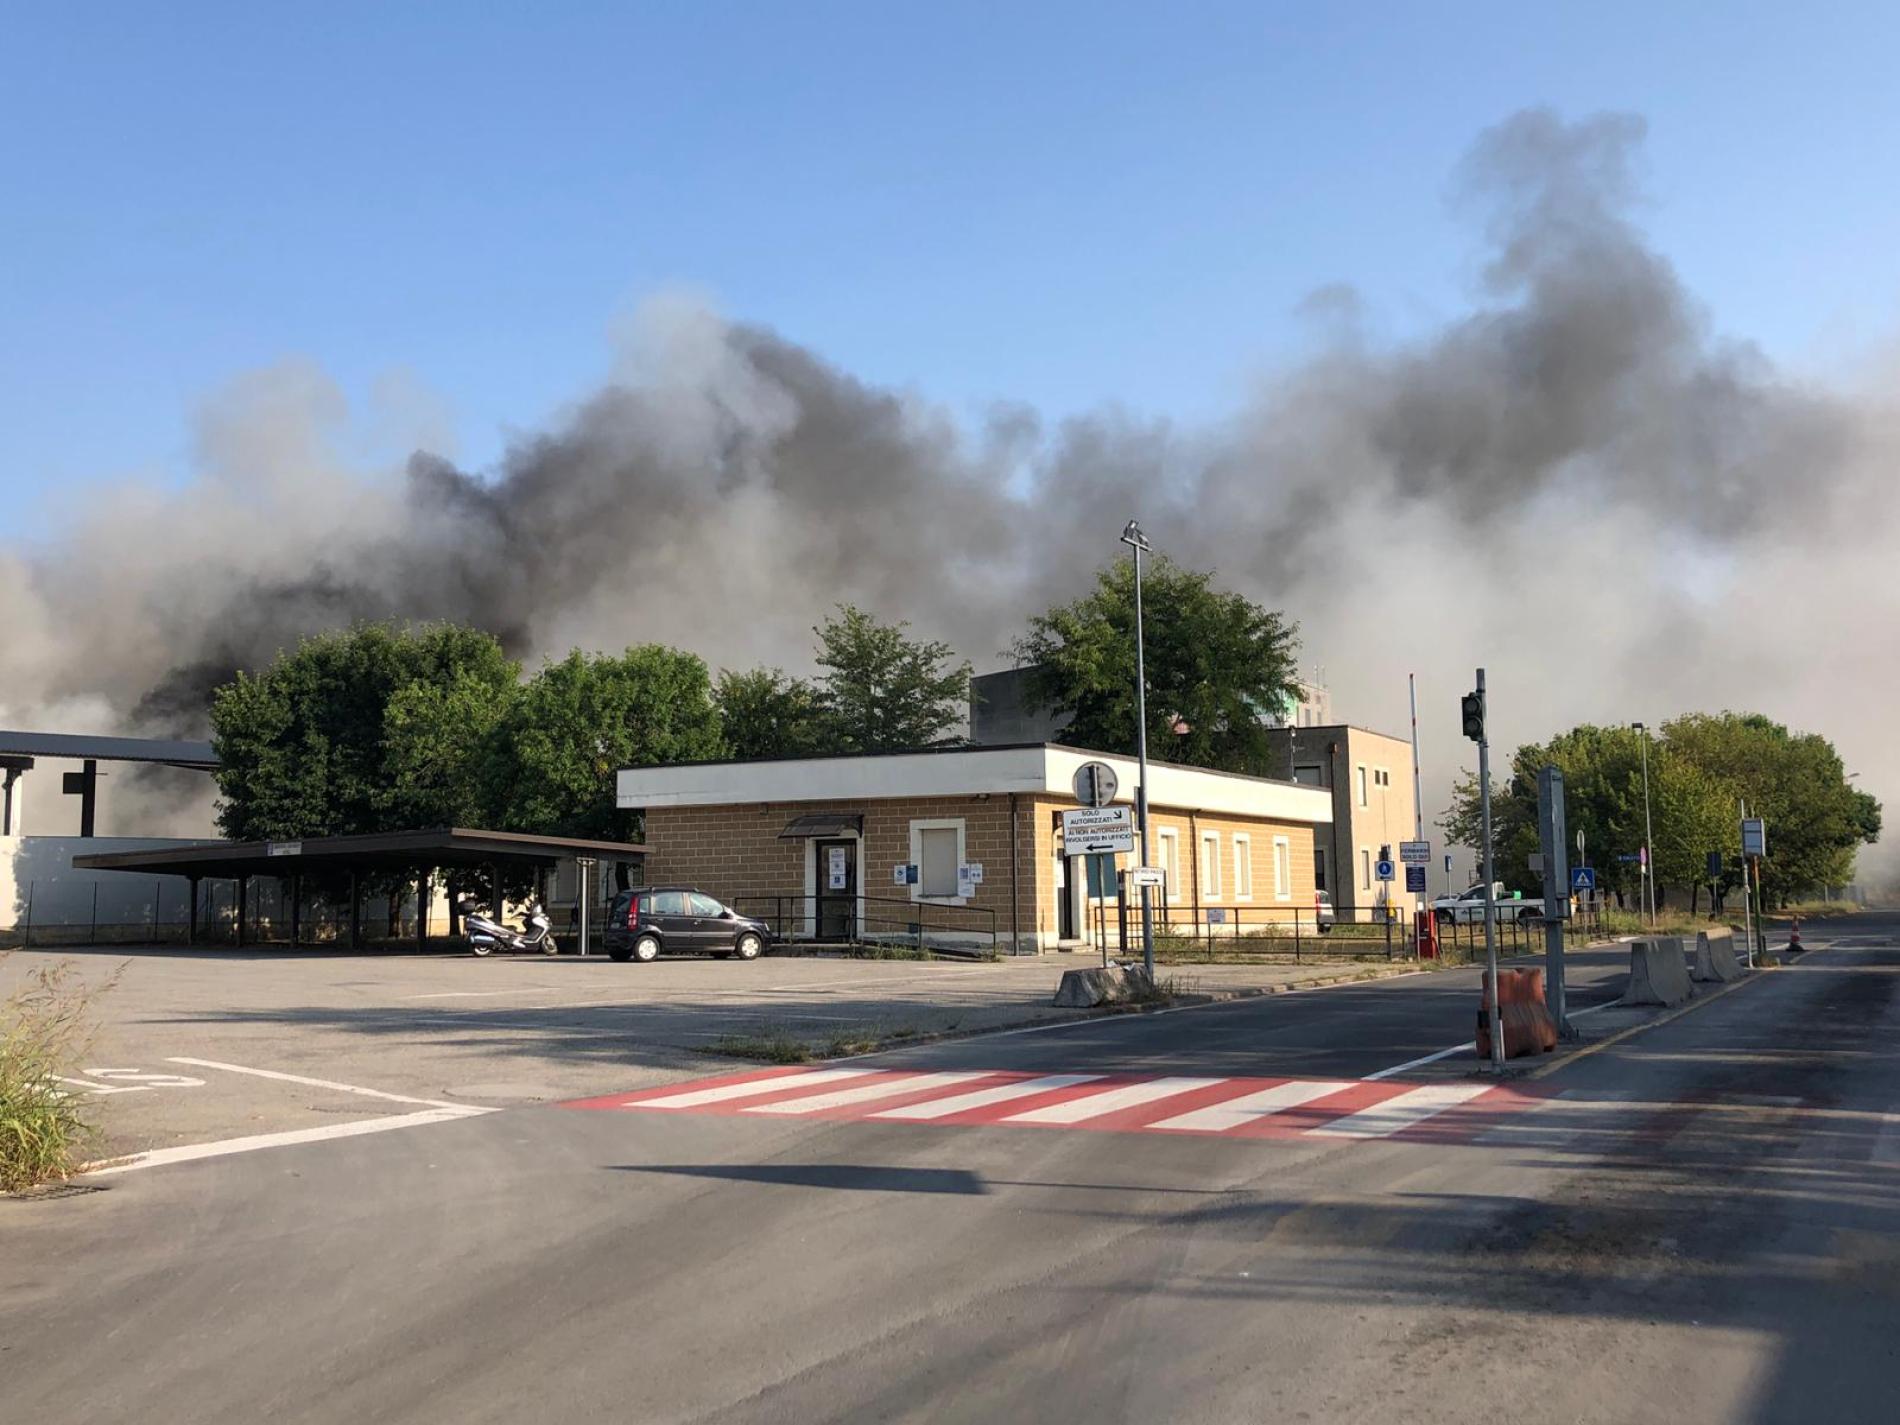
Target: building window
point(1309, 775)
point(937, 848)
point(1365, 869)
point(1319, 868)
point(1243, 867)
point(1168, 858)
point(1382, 777)
point(1361, 775)
point(1210, 865)
point(1282, 869)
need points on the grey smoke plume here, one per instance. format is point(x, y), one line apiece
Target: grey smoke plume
point(1577, 484)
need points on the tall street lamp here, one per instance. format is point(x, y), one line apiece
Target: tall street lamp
point(1649, 836)
point(1137, 541)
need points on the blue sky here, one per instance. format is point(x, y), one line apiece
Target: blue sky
point(1060, 203)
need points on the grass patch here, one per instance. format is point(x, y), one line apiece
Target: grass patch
point(767, 1047)
point(44, 1029)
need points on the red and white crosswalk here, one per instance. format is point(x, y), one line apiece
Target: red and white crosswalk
point(1342, 1109)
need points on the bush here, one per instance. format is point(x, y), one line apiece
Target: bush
point(43, 1031)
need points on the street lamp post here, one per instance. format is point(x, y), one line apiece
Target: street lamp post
point(1649, 836)
point(1137, 541)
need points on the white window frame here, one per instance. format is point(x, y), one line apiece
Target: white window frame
point(1168, 857)
point(1243, 865)
point(942, 823)
point(1210, 866)
point(1365, 868)
point(1360, 783)
point(1282, 868)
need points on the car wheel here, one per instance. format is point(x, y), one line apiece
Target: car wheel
point(646, 949)
point(748, 947)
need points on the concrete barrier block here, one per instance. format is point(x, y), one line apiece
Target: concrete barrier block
point(1084, 989)
point(1715, 961)
point(1659, 973)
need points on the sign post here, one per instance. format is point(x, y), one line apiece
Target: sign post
point(1550, 830)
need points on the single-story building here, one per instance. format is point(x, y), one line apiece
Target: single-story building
point(965, 845)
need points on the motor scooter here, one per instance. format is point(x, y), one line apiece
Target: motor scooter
point(487, 933)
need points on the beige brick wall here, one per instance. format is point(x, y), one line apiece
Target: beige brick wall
point(734, 853)
point(1188, 828)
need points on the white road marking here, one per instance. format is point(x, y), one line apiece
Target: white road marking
point(191, 1152)
point(321, 1084)
point(100, 1090)
point(983, 1098)
point(751, 1088)
point(1248, 1108)
point(1433, 1058)
point(1096, 1105)
point(1402, 1112)
point(864, 1093)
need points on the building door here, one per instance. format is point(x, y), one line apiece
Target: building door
point(837, 889)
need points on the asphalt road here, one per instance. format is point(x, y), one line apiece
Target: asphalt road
point(1698, 1223)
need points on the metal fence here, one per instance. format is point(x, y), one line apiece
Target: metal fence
point(1239, 933)
point(164, 918)
point(883, 920)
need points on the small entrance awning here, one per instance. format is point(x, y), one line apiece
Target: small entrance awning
point(826, 823)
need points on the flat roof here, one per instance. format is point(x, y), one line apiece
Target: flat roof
point(80, 747)
point(388, 850)
point(1037, 768)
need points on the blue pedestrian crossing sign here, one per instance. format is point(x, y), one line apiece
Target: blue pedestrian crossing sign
point(1583, 878)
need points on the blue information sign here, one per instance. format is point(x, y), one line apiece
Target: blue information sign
point(1583, 878)
point(1384, 870)
point(1415, 879)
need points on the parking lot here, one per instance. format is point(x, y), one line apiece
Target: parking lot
point(210, 1046)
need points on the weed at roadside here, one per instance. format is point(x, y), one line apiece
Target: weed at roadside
point(44, 1029)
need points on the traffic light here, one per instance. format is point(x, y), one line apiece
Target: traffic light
point(1472, 707)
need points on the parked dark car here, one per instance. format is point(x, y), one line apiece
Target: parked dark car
point(651, 921)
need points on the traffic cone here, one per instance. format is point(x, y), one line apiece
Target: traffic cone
point(1794, 937)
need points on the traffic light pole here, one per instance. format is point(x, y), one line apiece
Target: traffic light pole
point(1490, 883)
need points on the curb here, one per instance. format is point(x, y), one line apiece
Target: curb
point(1544, 1070)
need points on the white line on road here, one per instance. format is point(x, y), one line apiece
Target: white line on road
point(1238, 1112)
point(1097, 1105)
point(191, 1152)
point(751, 1088)
point(983, 1098)
point(1395, 1114)
point(865, 1093)
point(326, 1084)
point(1459, 1047)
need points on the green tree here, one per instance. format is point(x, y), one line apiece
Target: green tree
point(1817, 820)
point(883, 691)
point(580, 720)
point(1218, 667)
point(763, 713)
point(304, 747)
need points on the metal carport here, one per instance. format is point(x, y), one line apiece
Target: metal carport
point(416, 854)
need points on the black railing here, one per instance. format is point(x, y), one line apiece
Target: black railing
point(873, 920)
point(1210, 934)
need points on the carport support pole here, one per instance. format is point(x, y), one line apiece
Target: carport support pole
point(356, 912)
point(191, 916)
point(243, 899)
point(296, 910)
point(422, 911)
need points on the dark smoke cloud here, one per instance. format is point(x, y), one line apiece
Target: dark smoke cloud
point(1577, 483)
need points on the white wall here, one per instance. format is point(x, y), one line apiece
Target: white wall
point(41, 867)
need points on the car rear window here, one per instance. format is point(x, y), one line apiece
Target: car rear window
point(668, 903)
